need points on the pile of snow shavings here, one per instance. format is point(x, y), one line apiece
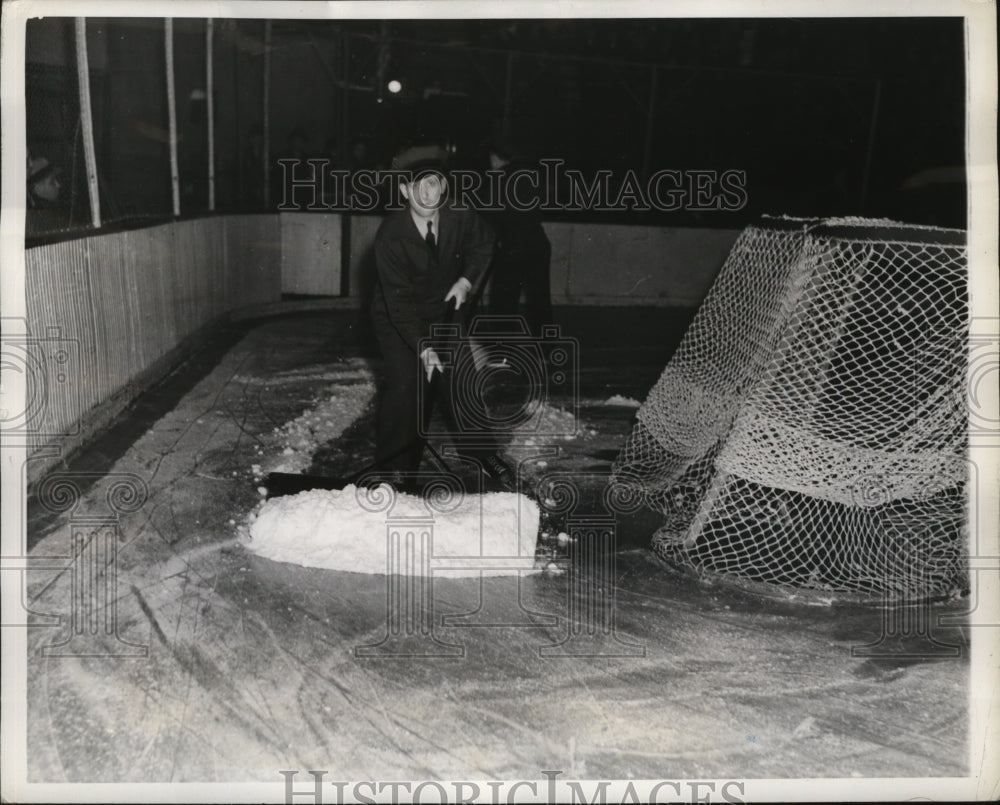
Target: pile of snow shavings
point(344, 530)
point(374, 531)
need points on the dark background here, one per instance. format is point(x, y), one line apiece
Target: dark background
point(825, 116)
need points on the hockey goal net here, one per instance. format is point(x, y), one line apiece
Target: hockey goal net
point(810, 429)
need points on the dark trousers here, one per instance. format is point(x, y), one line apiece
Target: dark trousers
point(528, 272)
point(406, 397)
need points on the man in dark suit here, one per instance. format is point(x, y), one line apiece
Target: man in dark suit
point(523, 254)
point(427, 256)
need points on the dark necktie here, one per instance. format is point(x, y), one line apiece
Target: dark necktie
point(429, 237)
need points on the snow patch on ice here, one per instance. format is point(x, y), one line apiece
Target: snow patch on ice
point(346, 529)
point(625, 402)
point(550, 426)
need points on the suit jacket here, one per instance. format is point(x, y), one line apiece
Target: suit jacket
point(413, 279)
point(519, 232)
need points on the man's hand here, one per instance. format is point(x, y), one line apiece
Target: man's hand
point(459, 291)
point(431, 362)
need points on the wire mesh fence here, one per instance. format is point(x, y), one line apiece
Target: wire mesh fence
point(130, 115)
point(354, 92)
point(56, 193)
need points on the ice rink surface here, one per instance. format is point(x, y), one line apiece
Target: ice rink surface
point(191, 659)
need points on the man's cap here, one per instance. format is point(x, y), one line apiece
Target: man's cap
point(421, 158)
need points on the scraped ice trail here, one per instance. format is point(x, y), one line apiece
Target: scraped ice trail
point(299, 439)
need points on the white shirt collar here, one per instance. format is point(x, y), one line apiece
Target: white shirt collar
point(421, 223)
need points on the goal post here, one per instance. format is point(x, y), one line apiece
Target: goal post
point(810, 430)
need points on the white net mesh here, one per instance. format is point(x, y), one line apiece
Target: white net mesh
point(810, 430)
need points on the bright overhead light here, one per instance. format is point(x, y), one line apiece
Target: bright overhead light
point(394, 86)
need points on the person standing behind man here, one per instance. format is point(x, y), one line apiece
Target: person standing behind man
point(522, 260)
point(427, 256)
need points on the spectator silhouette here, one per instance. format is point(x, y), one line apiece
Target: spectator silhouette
point(521, 264)
point(45, 210)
